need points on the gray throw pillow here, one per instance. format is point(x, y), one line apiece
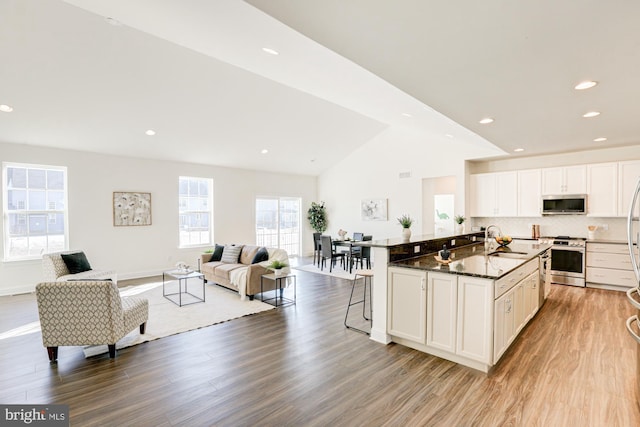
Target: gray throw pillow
point(230, 254)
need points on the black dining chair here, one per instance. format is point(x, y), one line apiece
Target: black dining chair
point(328, 253)
point(364, 253)
point(317, 245)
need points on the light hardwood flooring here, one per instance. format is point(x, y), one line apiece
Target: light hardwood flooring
point(574, 365)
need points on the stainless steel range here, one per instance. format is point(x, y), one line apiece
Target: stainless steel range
point(567, 260)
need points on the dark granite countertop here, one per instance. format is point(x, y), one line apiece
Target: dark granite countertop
point(398, 241)
point(472, 261)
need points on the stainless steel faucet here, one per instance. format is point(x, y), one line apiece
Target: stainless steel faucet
point(487, 242)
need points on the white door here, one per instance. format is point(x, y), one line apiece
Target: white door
point(278, 222)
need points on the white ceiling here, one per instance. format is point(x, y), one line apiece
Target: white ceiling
point(194, 71)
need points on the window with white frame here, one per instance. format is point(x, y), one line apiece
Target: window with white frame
point(34, 210)
point(195, 210)
point(278, 223)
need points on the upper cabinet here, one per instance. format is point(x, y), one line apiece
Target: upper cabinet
point(628, 176)
point(493, 194)
point(529, 192)
point(602, 189)
point(565, 180)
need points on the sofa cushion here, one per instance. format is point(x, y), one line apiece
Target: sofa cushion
point(230, 254)
point(76, 262)
point(217, 253)
point(247, 254)
point(224, 270)
point(261, 255)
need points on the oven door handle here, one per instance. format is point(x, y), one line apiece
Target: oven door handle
point(630, 320)
point(568, 248)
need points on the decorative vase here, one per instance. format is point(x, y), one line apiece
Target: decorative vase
point(406, 233)
point(277, 272)
point(460, 228)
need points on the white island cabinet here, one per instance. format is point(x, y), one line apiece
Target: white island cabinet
point(407, 299)
point(466, 319)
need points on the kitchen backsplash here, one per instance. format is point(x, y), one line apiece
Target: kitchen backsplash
point(558, 225)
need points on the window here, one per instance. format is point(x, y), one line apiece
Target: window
point(195, 197)
point(278, 223)
point(34, 210)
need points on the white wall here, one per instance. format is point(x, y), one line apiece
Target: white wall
point(146, 250)
point(373, 172)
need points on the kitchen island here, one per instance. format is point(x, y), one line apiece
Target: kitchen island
point(468, 311)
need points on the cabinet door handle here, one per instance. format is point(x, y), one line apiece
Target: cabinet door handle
point(422, 283)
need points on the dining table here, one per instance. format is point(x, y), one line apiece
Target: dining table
point(350, 244)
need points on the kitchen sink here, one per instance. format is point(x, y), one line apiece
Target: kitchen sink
point(511, 254)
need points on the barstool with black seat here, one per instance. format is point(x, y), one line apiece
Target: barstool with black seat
point(366, 275)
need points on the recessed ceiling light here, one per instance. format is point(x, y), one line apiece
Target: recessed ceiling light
point(6, 108)
point(519, 150)
point(601, 139)
point(448, 135)
point(591, 114)
point(150, 132)
point(113, 21)
point(264, 151)
point(486, 120)
point(270, 51)
point(587, 84)
point(407, 115)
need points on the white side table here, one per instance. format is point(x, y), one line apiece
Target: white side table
point(279, 289)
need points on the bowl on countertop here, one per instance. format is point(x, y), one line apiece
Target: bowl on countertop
point(504, 240)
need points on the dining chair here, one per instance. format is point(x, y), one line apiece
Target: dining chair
point(316, 248)
point(364, 253)
point(327, 252)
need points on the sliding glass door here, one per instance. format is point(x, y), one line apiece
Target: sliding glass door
point(278, 223)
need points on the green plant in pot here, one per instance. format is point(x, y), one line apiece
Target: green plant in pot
point(459, 219)
point(317, 216)
point(405, 221)
point(277, 267)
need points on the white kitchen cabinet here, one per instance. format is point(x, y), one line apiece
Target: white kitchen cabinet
point(602, 189)
point(494, 194)
point(475, 318)
point(504, 325)
point(529, 192)
point(628, 175)
point(564, 180)
point(609, 266)
point(519, 306)
point(407, 304)
point(532, 296)
point(442, 303)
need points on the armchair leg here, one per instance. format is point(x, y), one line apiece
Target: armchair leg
point(143, 326)
point(53, 353)
point(112, 351)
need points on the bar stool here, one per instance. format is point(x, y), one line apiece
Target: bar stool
point(367, 276)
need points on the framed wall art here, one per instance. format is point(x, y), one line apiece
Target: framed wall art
point(373, 209)
point(131, 208)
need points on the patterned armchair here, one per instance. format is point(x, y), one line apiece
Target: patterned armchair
point(55, 269)
point(87, 313)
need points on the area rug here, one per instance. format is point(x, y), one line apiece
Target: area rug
point(166, 318)
point(337, 271)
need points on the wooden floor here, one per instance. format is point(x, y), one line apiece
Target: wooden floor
point(574, 365)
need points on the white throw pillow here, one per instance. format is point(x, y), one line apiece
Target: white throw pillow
point(230, 254)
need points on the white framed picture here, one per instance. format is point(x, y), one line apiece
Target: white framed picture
point(373, 209)
point(131, 208)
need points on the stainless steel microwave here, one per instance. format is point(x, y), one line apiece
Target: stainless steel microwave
point(574, 204)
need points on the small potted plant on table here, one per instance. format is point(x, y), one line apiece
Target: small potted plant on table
point(277, 267)
point(459, 219)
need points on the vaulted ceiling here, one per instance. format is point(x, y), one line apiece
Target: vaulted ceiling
point(95, 75)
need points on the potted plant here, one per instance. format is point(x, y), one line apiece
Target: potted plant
point(277, 267)
point(406, 221)
point(317, 216)
point(459, 219)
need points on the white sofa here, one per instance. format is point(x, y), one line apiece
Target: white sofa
point(55, 270)
point(243, 275)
